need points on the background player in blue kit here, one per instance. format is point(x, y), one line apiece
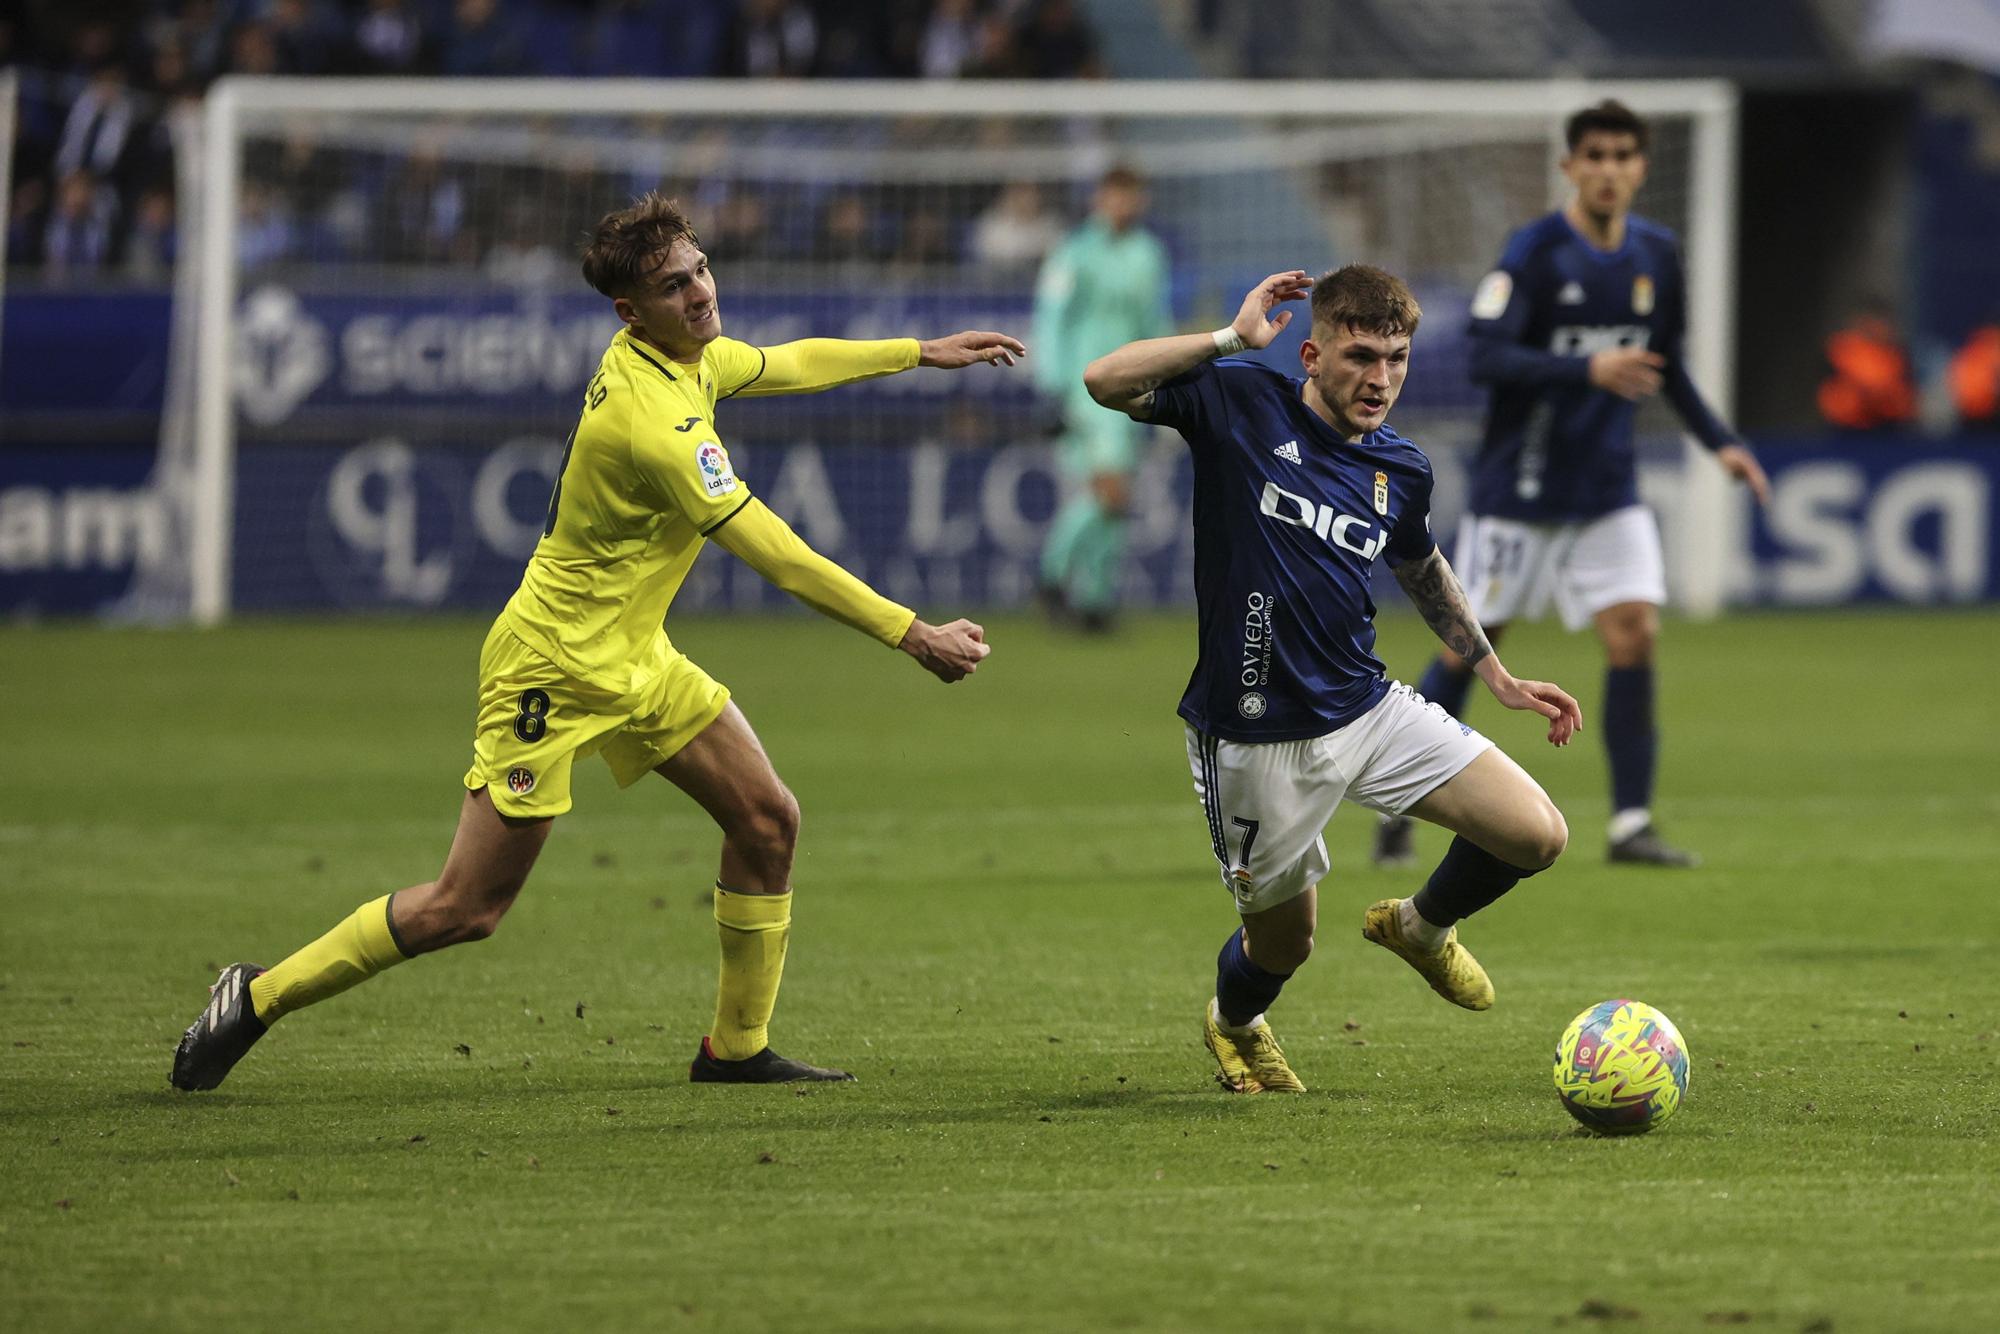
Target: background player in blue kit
point(1583, 318)
point(1299, 487)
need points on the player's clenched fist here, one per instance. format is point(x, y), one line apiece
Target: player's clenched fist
point(949, 652)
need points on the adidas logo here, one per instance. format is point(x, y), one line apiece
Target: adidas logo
point(1289, 452)
point(1571, 294)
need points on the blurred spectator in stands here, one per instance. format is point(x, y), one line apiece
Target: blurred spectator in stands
point(1870, 386)
point(98, 128)
point(951, 39)
point(997, 52)
point(850, 231)
point(24, 219)
point(1974, 376)
point(483, 41)
point(265, 233)
point(199, 31)
point(78, 236)
point(253, 50)
point(928, 238)
point(423, 211)
point(737, 227)
point(627, 39)
point(307, 36)
point(1057, 43)
point(151, 243)
point(522, 255)
point(93, 44)
point(389, 38)
point(873, 41)
point(1016, 230)
point(773, 39)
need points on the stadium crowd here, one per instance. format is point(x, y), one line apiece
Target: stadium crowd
point(93, 176)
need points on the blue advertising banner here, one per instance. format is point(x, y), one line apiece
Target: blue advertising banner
point(1874, 519)
point(394, 524)
point(75, 524)
point(489, 352)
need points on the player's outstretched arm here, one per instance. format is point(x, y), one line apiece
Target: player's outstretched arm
point(767, 544)
point(1437, 595)
point(809, 365)
point(1124, 380)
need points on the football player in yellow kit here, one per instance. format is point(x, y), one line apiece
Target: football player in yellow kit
point(578, 662)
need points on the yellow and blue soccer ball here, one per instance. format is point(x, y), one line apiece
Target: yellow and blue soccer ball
point(1621, 1067)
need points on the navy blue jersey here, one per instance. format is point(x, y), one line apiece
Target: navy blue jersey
point(1288, 522)
point(1557, 447)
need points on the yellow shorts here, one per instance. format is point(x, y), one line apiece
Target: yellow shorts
point(536, 721)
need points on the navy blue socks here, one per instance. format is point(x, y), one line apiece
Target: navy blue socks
point(1629, 738)
point(1242, 989)
point(1445, 688)
point(1466, 880)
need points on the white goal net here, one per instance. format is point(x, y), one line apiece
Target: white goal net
point(393, 334)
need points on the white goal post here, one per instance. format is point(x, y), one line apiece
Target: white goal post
point(1338, 120)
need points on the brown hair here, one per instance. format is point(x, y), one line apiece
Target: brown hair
point(1364, 297)
point(1608, 117)
point(1122, 177)
point(627, 243)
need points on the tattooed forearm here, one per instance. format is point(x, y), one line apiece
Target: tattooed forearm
point(1435, 591)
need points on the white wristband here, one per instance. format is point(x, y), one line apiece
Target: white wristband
point(1227, 341)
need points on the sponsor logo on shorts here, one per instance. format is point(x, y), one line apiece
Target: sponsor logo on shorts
point(716, 477)
point(1251, 705)
point(520, 781)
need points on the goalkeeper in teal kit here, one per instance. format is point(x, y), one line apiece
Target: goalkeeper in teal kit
point(1103, 287)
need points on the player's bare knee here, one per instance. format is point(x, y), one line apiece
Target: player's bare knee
point(1289, 955)
point(767, 834)
point(1551, 837)
point(1280, 951)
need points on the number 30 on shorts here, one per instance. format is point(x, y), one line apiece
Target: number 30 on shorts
point(532, 722)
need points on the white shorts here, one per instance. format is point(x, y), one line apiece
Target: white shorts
point(1268, 803)
point(1511, 568)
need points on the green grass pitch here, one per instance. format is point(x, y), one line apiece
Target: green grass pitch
point(1006, 926)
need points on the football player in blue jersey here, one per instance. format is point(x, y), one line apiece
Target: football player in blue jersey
point(1583, 318)
point(1299, 488)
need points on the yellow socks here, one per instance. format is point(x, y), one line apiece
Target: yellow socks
point(755, 929)
point(352, 952)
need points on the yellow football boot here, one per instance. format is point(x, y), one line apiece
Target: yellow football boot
point(1250, 1063)
point(1452, 971)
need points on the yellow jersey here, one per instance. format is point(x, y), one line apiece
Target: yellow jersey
point(645, 479)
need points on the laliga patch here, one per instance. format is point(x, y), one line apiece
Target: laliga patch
point(1495, 290)
point(520, 781)
point(716, 477)
point(1642, 295)
point(1382, 494)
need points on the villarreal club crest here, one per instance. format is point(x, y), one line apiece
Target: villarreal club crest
point(1621, 1068)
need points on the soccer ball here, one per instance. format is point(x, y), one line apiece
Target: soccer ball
point(1621, 1067)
